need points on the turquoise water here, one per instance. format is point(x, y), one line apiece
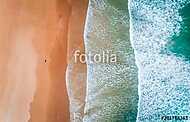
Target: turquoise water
point(161, 86)
point(181, 42)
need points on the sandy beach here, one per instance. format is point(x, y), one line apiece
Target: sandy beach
point(33, 58)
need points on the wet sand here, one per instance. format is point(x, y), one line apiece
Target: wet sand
point(76, 71)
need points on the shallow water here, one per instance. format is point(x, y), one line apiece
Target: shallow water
point(119, 4)
point(112, 93)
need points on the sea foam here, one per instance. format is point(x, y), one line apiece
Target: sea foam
point(163, 77)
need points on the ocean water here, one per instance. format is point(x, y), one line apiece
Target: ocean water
point(112, 88)
point(180, 44)
point(119, 4)
point(160, 38)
